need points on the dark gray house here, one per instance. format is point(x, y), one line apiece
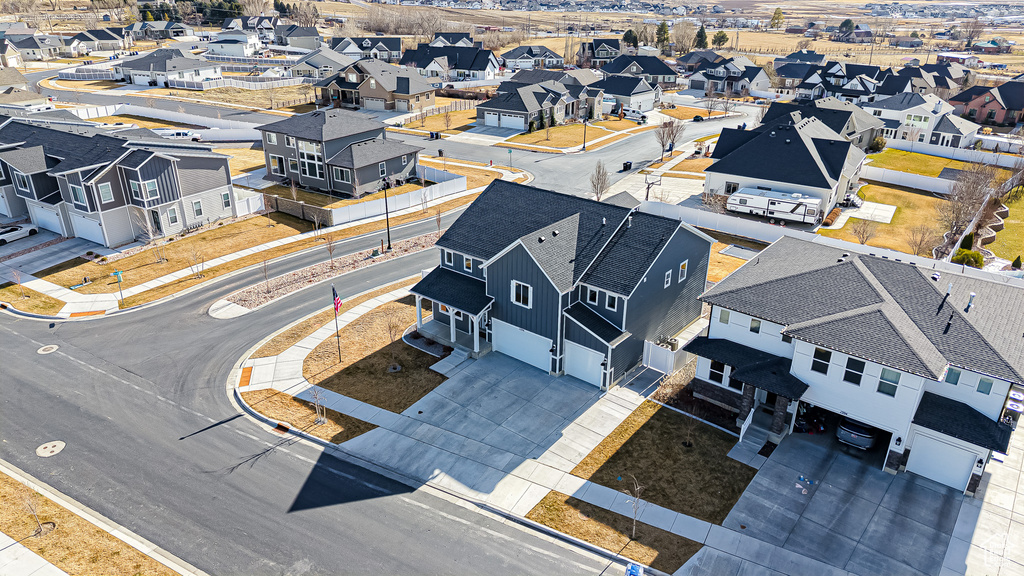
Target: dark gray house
point(110, 188)
point(566, 284)
point(337, 152)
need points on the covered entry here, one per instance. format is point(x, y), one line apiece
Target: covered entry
point(455, 297)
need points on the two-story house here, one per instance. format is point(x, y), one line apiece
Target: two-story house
point(793, 154)
point(264, 26)
point(385, 48)
point(921, 352)
point(734, 76)
point(520, 105)
point(844, 118)
point(650, 68)
point(295, 36)
point(319, 64)
point(336, 151)
point(923, 118)
point(451, 62)
point(529, 57)
point(110, 188)
point(597, 53)
point(565, 284)
point(376, 85)
point(1001, 105)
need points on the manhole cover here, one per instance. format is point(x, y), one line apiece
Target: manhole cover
point(47, 349)
point(50, 449)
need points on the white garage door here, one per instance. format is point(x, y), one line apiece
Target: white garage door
point(402, 105)
point(583, 363)
point(46, 218)
point(941, 462)
point(644, 103)
point(491, 119)
point(88, 229)
point(373, 103)
point(511, 121)
point(522, 345)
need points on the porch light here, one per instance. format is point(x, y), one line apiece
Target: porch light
point(552, 349)
point(981, 463)
point(899, 440)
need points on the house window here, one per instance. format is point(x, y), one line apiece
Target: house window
point(277, 165)
point(271, 138)
point(991, 115)
point(405, 159)
point(151, 191)
point(821, 359)
point(289, 141)
point(226, 199)
point(467, 264)
point(682, 270)
point(197, 208)
point(21, 181)
point(311, 160)
point(723, 316)
point(731, 187)
point(611, 302)
point(106, 193)
point(668, 279)
point(383, 168)
point(172, 215)
point(522, 294)
point(952, 376)
point(716, 372)
point(373, 84)
point(755, 325)
point(854, 371)
point(78, 194)
point(888, 382)
point(448, 257)
point(985, 386)
point(592, 296)
point(343, 175)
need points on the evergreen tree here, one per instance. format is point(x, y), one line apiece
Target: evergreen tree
point(631, 38)
point(720, 39)
point(551, 119)
point(777, 19)
point(846, 26)
point(701, 39)
point(661, 35)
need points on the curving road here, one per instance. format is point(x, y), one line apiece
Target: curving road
point(154, 444)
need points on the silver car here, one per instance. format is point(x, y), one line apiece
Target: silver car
point(11, 233)
point(856, 434)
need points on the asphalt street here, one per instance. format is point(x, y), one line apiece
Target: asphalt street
point(154, 444)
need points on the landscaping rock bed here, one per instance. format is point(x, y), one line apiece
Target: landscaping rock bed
point(265, 292)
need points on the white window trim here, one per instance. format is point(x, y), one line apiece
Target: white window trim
point(405, 159)
point(273, 166)
point(293, 162)
point(18, 177)
point(593, 296)
point(457, 315)
point(950, 371)
point(529, 295)
point(81, 193)
point(1, 172)
point(271, 138)
point(668, 279)
point(289, 141)
point(155, 192)
point(199, 213)
point(226, 199)
point(172, 216)
point(724, 316)
point(682, 269)
point(110, 190)
point(383, 168)
point(611, 302)
point(449, 257)
point(467, 263)
point(991, 383)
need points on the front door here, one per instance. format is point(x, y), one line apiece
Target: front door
point(155, 216)
point(769, 401)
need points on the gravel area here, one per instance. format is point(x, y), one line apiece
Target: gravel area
point(265, 292)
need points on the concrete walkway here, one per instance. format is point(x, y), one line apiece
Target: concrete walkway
point(17, 559)
point(505, 434)
point(872, 211)
point(672, 190)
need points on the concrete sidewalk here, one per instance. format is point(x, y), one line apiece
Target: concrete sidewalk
point(15, 558)
point(505, 434)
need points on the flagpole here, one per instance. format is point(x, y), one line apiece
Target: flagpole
point(337, 335)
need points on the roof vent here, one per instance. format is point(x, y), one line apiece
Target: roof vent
point(970, 303)
point(949, 289)
point(936, 276)
point(541, 239)
point(846, 254)
point(554, 233)
point(772, 134)
point(841, 260)
point(629, 221)
point(787, 140)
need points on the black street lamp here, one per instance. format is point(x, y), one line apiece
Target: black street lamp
point(387, 216)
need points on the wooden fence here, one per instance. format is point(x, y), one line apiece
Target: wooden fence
point(453, 107)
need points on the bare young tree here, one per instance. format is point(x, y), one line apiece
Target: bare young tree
point(196, 261)
point(635, 491)
point(16, 274)
point(305, 14)
point(265, 265)
point(448, 119)
point(599, 180)
point(713, 201)
point(293, 189)
point(971, 30)
point(668, 134)
point(970, 190)
point(317, 217)
point(318, 396)
point(330, 245)
point(728, 103)
point(683, 34)
point(27, 496)
point(437, 217)
point(149, 233)
point(921, 238)
point(254, 7)
point(863, 230)
point(710, 103)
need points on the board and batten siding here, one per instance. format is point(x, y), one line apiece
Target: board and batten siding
point(613, 316)
point(543, 316)
point(120, 193)
point(200, 174)
point(576, 333)
point(457, 265)
point(43, 185)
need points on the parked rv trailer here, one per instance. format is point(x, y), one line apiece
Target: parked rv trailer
point(776, 205)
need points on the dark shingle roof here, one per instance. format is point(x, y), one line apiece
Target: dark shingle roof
point(455, 290)
point(900, 101)
point(631, 251)
point(651, 65)
point(960, 421)
point(168, 60)
point(530, 52)
point(755, 367)
point(370, 152)
point(622, 85)
point(593, 322)
point(324, 125)
point(26, 160)
point(458, 57)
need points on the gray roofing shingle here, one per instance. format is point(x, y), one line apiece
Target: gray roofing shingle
point(621, 85)
point(26, 160)
point(755, 367)
point(631, 251)
point(651, 65)
point(593, 322)
point(324, 125)
point(168, 60)
point(960, 421)
point(454, 289)
point(370, 152)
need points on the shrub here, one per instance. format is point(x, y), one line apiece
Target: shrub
point(89, 253)
point(103, 259)
point(832, 216)
point(531, 127)
point(877, 144)
point(970, 258)
point(1016, 263)
point(967, 242)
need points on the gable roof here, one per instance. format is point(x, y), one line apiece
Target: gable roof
point(12, 77)
point(324, 125)
point(902, 101)
point(167, 60)
point(621, 85)
point(530, 52)
point(296, 31)
point(969, 94)
point(650, 65)
point(889, 312)
point(959, 420)
point(458, 57)
point(527, 97)
point(583, 76)
point(953, 124)
point(323, 57)
point(389, 43)
point(621, 265)
point(370, 152)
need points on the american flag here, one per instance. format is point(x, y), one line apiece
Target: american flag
point(337, 300)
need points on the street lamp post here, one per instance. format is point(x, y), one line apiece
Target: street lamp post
point(584, 135)
point(510, 158)
point(387, 215)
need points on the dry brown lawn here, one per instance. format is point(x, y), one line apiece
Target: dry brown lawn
point(461, 120)
point(692, 165)
point(28, 300)
point(243, 159)
point(567, 136)
point(143, 122)
point(300, 415)
point(238, 96)
point(923, 164)
point(700, 481)
point(913, 207)
point(475, 177)
point(87, 85)
point(142, 267)
point(617, 125)
point(367, 352)
point(294, 334)
point(75, 545)
point(654, 547)
point(722, 265)
point(325, 201)
point(686, 113)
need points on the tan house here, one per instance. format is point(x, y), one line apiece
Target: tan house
point(376, 85)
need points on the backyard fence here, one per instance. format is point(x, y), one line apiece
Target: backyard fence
point(446, 184)
point(906, 179)
point(273, 62)
point(453, 107)
point(83, 73)
point(963, 154)
point(246, 83)
point(249, 204)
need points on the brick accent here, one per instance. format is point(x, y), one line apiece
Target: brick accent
point(746, 403)
point(779, 419)
point(972, 486)
point(894, 460)
point(715, 394)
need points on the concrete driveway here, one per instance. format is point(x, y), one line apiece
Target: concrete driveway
point(484, 135)
point(26, 243)
point(854, 515)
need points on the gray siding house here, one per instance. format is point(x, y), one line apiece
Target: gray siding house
point(110, 188)
point(337, 152)
point(568, 285)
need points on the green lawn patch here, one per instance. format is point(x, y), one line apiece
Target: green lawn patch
point(913, 207)
point(1010, 240)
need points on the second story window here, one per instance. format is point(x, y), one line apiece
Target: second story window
point(723, 316)
point(77, 194)
point(755, 325)
point(820, 361)
point(289, 141)
point(888, 382)
point(522, 294)
point(854, 371)
point(449, 257)
point(611, 302)
point(271, 138)
point(21, 181)
point(106, 193)
point(311, 160)
point(467, 264)
point(952, 376)
point(985, 386)
point(383, 168)
point(682, 270)
point(592, 296)
point(668, 279)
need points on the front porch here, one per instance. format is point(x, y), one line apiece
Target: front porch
point(441, 332)
point(459, 305)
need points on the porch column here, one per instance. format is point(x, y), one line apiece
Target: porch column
point(475, 325)
point(779, 419)
point(419, 312)
point(451, 324)
point(746, 404)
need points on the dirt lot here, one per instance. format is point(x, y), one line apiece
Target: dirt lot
point(262, 99)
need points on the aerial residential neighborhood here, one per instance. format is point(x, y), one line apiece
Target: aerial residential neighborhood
point(505, 287)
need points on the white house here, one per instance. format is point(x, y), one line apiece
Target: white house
point(923, 353)
point(923, 118)
point(164, 64)
point(735, 75)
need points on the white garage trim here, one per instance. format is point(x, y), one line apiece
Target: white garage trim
point(88, 229)
point(46, 218)
point(512, 121)
point(491, 119)
point(583, 363)
point(4, 208)
point(941, 461)
point(520, 344)
point(373, 103)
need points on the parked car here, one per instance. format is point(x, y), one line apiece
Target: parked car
point(11, 233)
point(857, 434)
point(176, 134)
point(634, 115)
point(698, 118)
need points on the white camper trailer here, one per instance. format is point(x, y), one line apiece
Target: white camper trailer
point(776, 205)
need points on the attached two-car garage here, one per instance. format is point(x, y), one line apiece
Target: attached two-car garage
point(941, 461)
point(501, 120)
point(47, 218)
point(520, 344)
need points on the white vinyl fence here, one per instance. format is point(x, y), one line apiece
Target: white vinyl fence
point(964, 154)
point(916, 181)
point(87, 73)
point(446, 185)
point(247, 83)
point(220, 130)
point(249, 204)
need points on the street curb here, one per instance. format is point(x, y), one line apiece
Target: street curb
point(269, 425)
point(96, 519)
